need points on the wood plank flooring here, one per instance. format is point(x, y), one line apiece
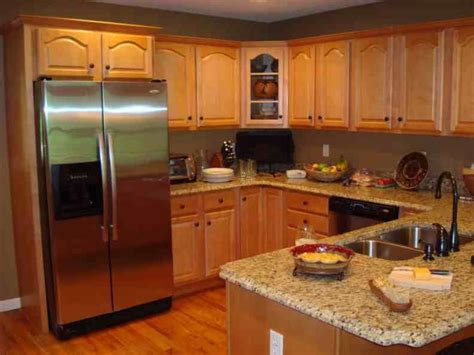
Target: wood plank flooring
point(196, 324)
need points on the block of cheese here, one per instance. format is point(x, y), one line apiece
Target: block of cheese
point(405, 278)
point(421, 273)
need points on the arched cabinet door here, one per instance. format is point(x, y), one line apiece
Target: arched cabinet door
point(175, 63)
point(127, 56)
point(420, 74)
point(372, 83)
point(301, 86)
point(332, 85)
point(218, 86)
point(68, 53)
point(462, 88)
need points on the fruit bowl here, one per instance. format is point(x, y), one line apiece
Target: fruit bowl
point(324, 176)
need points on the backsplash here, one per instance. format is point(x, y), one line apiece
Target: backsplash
point(375, 151)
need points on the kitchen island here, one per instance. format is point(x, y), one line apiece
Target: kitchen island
point(328, 316)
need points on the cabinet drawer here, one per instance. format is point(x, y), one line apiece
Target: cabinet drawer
point(297, 219)
point(219, 200)
point(307, 202)
point(184, 205)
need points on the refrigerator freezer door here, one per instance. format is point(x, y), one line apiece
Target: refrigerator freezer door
point(135, 119)
point(70, 116)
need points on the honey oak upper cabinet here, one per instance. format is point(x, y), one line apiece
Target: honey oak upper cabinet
point(68, 53)
point(175, 63)
point(419, 73)
point(127, 56)
point(462, 89)
point(371, 89)
point(332, 84)
point(264, 86)
point(218, 86)
point(301, 86)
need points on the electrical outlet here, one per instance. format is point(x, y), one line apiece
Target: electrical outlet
point(326, 150)
point(276, 343)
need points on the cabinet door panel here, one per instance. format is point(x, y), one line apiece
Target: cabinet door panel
point(219, 238)
point(68, 53)
point(187, 240)
point(274, 221)
point(421, 82)
point(218, 86)
point(332, 80)
point(251, 222)
point(462, 105)
point(127, 57)
point(301, 86)
point(372, 82)
point(175, 63)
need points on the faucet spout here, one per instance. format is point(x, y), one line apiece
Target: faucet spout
point(453, 233)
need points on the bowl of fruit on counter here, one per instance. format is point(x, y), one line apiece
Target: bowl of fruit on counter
point(325, 172)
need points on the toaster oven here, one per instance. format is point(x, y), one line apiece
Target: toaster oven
point(182, 168)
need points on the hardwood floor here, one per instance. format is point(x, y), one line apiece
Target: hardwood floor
point(196, 324)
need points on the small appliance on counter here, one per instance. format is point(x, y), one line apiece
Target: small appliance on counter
point(272, 149)
point(182, 168)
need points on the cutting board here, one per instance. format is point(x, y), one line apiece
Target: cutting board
point(406, 279)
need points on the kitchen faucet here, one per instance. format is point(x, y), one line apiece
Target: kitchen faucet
point(453, 233)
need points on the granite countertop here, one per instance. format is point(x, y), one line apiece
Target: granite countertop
point(349, 304)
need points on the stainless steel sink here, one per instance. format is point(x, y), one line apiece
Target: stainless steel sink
point(383, 250)
point(416, 237)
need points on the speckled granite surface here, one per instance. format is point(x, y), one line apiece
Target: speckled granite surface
point(349, 304)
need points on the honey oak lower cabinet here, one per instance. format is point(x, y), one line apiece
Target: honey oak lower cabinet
point(462, 87)
point(175, 63)
point(274, 213)
point(419, 74)
point(68, 53)
point(188, 251)
point(219, 240)
point(301, 86)
point(218, 86)
point(371, 87)
point(251, 221)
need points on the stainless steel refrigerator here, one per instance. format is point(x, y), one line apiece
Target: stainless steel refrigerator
point(105, 198)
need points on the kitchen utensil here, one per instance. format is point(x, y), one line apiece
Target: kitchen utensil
point(468, 176)
point(411, 170)
point(228, 153)
point(406, 279)
point(394, 307)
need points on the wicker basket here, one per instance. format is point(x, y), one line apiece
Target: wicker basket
point(325, 176)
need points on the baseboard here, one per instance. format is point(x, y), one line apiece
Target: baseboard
point(10, 304)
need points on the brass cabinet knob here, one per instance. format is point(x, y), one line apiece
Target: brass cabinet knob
point(400, 119)
point(208, 223)
point(107, 67)
point(201, 118)
point(320, 117)
point(244, 199)
point(386, 118)
point(190, 118)
point(181, 207)
point(196, 224)
point(310, 117)
point(92, 66)
point(221, 200)
point(305, 203)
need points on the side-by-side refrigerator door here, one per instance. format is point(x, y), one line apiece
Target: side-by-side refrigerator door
point(72, 138)
point(135, 119)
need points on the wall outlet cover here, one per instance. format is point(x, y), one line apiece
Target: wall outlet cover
point(326, 150)
point(276, 343)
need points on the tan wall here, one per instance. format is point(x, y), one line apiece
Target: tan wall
point(383, 151)
point(377, 15)
point(8, 282)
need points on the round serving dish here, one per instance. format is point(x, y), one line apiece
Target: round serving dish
point(325, 176)
point(319, 268)
point(412, 169)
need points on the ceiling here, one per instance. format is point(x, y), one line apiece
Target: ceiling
point(255, 10)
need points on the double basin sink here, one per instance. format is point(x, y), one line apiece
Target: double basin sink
point(399, 244)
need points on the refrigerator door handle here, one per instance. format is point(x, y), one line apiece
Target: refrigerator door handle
point(113, 183)
point(105, 189)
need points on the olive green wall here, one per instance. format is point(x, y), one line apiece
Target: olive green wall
point(377, 15)
point(364, 149)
